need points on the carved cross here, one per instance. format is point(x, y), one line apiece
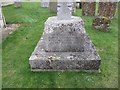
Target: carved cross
point(64, 10)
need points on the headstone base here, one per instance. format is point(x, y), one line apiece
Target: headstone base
point(42, 60)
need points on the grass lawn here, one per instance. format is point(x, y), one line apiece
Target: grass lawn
point(17, 48)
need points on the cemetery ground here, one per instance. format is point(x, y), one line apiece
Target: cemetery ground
point(17, 48)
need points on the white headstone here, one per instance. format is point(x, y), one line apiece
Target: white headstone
point(74, 6)
point(64, 10)
point(2, 20)
point(44, 3)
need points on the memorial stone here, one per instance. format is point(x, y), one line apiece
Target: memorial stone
point(74, 6)
point(101, 23)
point(64, 44)
point(44, 3)
point(2, 19)
point(53, 5)
point(17, 3)
point(107, 9)
point(88, 8)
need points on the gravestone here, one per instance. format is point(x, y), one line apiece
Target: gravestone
point(17, 3)
point(107, 9)
point(53, 5)
point(78, 4)
point(64, 13)
point(44, 3)
point(74, 6)
point(88, 8)
point(7, 3)
point(2, 19)
point(101, 23)
point(64, 44)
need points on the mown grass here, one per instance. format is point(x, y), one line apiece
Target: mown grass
point(17, 48)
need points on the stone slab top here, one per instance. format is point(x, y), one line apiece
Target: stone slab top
point(55, 20)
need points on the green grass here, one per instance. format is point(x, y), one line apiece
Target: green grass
point(17, 48)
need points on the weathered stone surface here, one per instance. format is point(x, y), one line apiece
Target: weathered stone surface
point(64, 44)
point(53, 6)
point(64, 10)
point(107, 9)
point(74, 7)
point(2, 19)
point(44, 3)
point(101, 23)
point(17, 3)
point(64, 35)
point(87, 59)
point(79, 4)
point(88, 8)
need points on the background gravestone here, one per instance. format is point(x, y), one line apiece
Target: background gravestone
point(88, 8)
point(101, 23)
point(74, 6)
point(107, 9)
point(44, 3)
point(53, 5)
point(17, 3)
point(2, 19)
point(78, 4)
point(64, 44)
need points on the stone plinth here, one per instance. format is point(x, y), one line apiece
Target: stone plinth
point(64, 45)
point(107, 9)
point(64, 35)
point(88, 8)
